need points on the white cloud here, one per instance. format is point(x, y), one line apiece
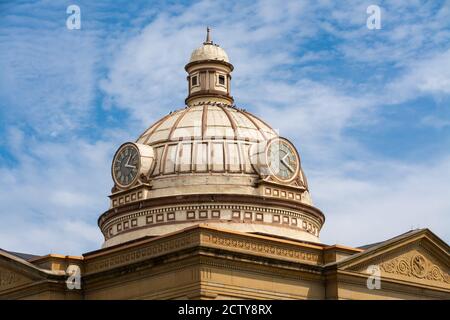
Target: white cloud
point(147, 77)
point(429, 75)
point(435, 121)
point(314, 116)
point(397, 198)
point(51, 200)
point(47, 79)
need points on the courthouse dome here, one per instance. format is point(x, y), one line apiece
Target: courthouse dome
point(210, 162)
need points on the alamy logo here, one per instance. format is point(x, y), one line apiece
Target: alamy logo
point(374, 281)
point(374, 20)
point(74, 20)
point(74, 279)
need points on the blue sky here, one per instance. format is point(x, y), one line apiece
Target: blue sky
point(369, 110)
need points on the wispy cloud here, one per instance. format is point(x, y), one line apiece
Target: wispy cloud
point(394, 199)
point(427, 75)
point(48, 76)
point(54, 190)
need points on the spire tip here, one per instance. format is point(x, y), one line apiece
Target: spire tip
point(208, 36)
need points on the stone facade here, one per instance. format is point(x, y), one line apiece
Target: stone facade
point(202, 262)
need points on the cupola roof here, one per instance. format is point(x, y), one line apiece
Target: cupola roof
point(209, 51)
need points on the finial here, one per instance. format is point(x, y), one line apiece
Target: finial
point(208, 36)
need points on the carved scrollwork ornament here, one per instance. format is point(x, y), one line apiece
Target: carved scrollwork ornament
point(415, 266)
point(403, 267)
point(389, 266)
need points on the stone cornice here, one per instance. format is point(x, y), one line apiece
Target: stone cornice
point(190, 64)
point(204, 237)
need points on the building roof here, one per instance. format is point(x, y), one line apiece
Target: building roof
point(24, 256)
point(371, 245)
point(382, 246)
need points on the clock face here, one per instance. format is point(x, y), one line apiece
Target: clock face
point(282, 160)
point(126, 165)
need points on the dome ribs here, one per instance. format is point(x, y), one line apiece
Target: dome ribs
point(175, 125)
point(267, 131)
point(155, 127)
point(254, 123)
point(204, 120)
point(230, 118)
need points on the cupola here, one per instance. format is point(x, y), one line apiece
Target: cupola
point(209, 72)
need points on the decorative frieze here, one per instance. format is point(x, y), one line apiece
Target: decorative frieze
point(415, 266)
point(136, 194)
point(237, 213)
point(203, 237)
point(260, 247)
point(142, 253)
point(278, 192)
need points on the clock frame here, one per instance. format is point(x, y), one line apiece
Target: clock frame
point(260, 157)
point(142, 165)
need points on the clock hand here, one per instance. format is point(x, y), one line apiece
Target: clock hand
point(127, 165)
point(283, 161)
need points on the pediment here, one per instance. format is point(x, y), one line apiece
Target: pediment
point(421, 258)
point(16, 272)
